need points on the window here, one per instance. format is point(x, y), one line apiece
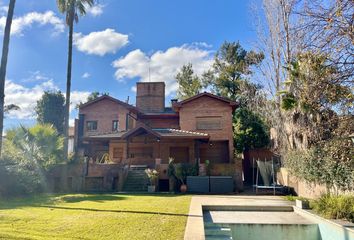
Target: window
point(115, 125)
point(91, 125)
point(208, 123)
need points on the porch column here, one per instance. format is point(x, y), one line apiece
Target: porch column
point(197, 151)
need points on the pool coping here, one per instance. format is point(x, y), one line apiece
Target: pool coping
point(195, 224)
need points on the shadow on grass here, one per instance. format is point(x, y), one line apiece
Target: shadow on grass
point(119, 211)
point(92, 198)
point(38, 200)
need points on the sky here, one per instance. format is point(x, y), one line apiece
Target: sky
point(116, 44)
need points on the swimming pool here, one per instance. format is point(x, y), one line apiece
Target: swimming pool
point(275, 223)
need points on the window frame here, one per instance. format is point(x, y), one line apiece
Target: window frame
point(117, 121)
point(87, 125)
point(219, 118)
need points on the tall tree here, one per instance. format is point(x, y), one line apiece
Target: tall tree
point(72, 9)
point(50, 110)
point(231, 68)
point(189, 84)
point(5, 52)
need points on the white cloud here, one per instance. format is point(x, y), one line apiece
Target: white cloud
point(100, 43)
point(77, 97)
point(27, 97)
point(95, 10)
point(27, 20)
point(86, 75)
point(163, 65)
point(37, 76)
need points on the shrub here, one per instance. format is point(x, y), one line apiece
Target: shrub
point(27, 156)
point(330, 163)
point(335, 207)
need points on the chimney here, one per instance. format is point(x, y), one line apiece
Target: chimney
point(150, 96)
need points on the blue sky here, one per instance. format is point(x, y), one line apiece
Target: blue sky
point(115, 45)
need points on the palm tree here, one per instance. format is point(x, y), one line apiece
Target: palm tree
point(72, 9)
point(5, 52)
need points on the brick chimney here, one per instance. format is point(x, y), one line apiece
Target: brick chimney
point(150, 96)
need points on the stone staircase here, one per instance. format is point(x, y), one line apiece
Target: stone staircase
point(137, 179)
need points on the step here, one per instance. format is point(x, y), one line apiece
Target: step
point(217, 231)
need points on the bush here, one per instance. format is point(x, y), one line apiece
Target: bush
point(330, 163)
point(335, 207)
point(28, 154)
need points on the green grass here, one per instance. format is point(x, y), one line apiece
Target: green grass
point(95, 216)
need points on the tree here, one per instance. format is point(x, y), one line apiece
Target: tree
point(40, 146)
point(5, 52)
point(50, 109)
point(232, 66)
point(28, 154)
point(250, 131)
point(71, 9)
point(189, 84)
point(91, 97)
point(328, 28)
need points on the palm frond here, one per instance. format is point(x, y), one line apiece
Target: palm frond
point(62, 5)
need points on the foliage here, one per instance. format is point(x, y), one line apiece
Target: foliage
point(47, 216)
point(335, 207)
point(28, 154)
point(19, 180)
point(39, 146)
point(182, 170)
point(153, 175)
point(189, 84)
point(249, 131)
point(330, 163)
point(11, 107)
point(313, 84)
point(50, 110)
point(232, 66)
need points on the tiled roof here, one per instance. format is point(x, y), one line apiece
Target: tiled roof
point(170, 132)
point(158, 132)
point(106, 135)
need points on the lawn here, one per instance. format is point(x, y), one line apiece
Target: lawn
point(95, 216)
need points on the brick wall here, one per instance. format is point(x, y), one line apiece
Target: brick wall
point(150, 96)
point(207, 106)
point(104, 112)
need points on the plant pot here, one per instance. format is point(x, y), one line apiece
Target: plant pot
point(303, 204)
point(183, 188)
point(151, 188)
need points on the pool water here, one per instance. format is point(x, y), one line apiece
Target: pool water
point(258, 225)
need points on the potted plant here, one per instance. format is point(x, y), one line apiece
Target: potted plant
point(181, 174)
point(153, 175)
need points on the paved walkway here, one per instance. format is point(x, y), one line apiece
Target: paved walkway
point(195, 226)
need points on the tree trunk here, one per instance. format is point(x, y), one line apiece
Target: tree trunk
point(68, 84)
point(5, 51)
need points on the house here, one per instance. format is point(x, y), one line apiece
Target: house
point(196, 129)
point(115, 136)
